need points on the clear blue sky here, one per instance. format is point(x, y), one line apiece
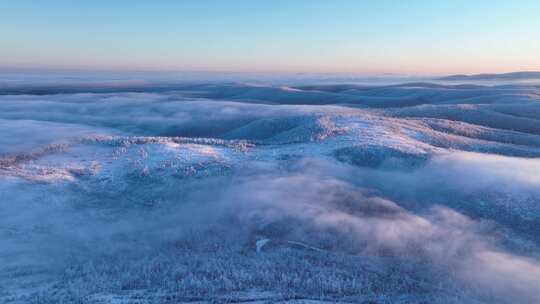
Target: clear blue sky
point(357, 36)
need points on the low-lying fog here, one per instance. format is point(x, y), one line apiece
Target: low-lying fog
point(229, 190)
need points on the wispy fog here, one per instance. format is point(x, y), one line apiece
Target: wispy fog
point(171, 192)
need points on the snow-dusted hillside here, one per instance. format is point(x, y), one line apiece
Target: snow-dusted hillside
point(410, 193)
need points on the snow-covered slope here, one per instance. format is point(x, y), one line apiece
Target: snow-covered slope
point(407, 193)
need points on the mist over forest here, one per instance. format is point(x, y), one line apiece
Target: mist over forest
point(242, 188)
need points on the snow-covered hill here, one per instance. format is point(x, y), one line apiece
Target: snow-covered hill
point(407, 193)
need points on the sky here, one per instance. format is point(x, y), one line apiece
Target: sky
point(298, 36)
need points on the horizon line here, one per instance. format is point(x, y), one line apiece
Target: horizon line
point(32, 67)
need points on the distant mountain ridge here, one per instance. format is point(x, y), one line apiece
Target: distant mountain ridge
point(504, 76)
